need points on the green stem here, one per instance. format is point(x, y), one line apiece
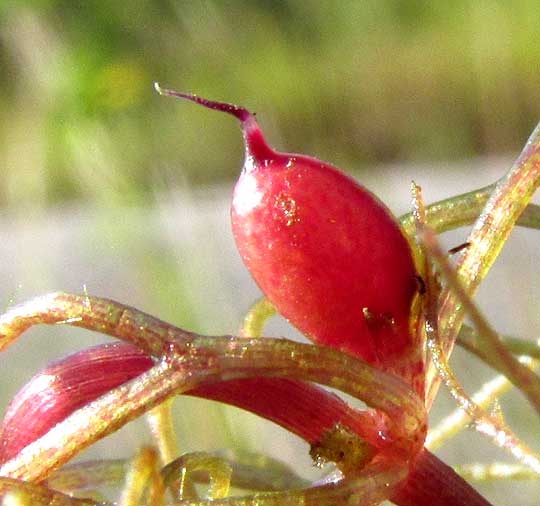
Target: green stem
point(517, 372)
point(468, 338)
point(462, 210)
point(496, 471)
point(201, 360)
point(459, 419)
point(509, 199)
point(492, 348)
point(14, 491)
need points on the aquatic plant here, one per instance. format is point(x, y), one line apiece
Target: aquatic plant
point(377, 296)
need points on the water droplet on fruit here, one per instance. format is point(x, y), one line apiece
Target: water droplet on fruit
point(288, 209)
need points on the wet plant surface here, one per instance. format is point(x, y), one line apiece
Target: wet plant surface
point(378, 453)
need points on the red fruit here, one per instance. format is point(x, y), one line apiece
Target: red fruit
point(324, 250)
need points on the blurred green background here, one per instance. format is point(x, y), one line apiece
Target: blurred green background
point(357, 83)
point(107, 187)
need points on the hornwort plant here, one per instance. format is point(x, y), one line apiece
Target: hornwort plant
point(378, 298)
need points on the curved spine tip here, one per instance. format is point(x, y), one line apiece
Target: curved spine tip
point(238, 112)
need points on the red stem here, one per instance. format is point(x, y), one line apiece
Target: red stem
point(433, 483)
point(305, 409)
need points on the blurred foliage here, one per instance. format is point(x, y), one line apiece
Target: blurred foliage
point(356, 83)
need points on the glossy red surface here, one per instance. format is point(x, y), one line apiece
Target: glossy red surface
point(303, 408)
point(327, 253)
point(324, 250)
point(78, 379)
point(64, 386)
